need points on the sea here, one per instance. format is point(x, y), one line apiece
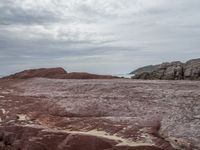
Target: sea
point(124, 75)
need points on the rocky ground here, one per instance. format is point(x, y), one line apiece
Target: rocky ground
point(118, 114)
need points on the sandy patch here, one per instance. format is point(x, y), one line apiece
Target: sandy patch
point(22, 117)
point(103, 134)
point(7, 91)
point(3, 111)
point(1, 96)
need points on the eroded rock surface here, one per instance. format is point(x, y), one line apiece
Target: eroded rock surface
point(192, 69)
point(173, 71)
point(120, 114)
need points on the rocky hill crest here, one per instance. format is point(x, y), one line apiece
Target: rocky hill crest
point(173, 71)
point(56, 73)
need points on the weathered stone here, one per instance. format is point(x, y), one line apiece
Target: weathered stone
point(192, 70)
point(144, 75)
point(99, 114)
point(173, 71)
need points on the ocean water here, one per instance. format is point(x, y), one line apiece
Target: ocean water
point(124, 75)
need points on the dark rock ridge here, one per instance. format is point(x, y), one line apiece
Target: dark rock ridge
point(38, 138)
point(173, 71)
point(55, 73)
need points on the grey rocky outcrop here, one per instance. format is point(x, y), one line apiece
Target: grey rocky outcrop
point(173, 71)
point(192, 69)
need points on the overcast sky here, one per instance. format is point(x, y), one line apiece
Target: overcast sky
point(97, 36)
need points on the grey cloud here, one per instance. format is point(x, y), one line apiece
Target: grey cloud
point(11, 14)
point(106, 36)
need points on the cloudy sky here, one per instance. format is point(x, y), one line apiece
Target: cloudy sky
point(97, 36)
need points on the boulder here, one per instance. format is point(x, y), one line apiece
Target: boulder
point(171, 71)
point(192, 69)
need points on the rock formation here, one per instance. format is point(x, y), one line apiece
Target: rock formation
point(56, 73)
point(56, 114)
point(173, 71)
point(42, 72)
point(192, 70)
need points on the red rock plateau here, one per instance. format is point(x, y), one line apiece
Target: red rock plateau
point(118, 114)
point(56, 73)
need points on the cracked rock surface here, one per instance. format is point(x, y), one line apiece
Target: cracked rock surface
point(118, 114)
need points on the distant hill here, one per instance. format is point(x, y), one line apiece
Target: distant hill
point(149, 68)
point(42, 72)
point(56, 73)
